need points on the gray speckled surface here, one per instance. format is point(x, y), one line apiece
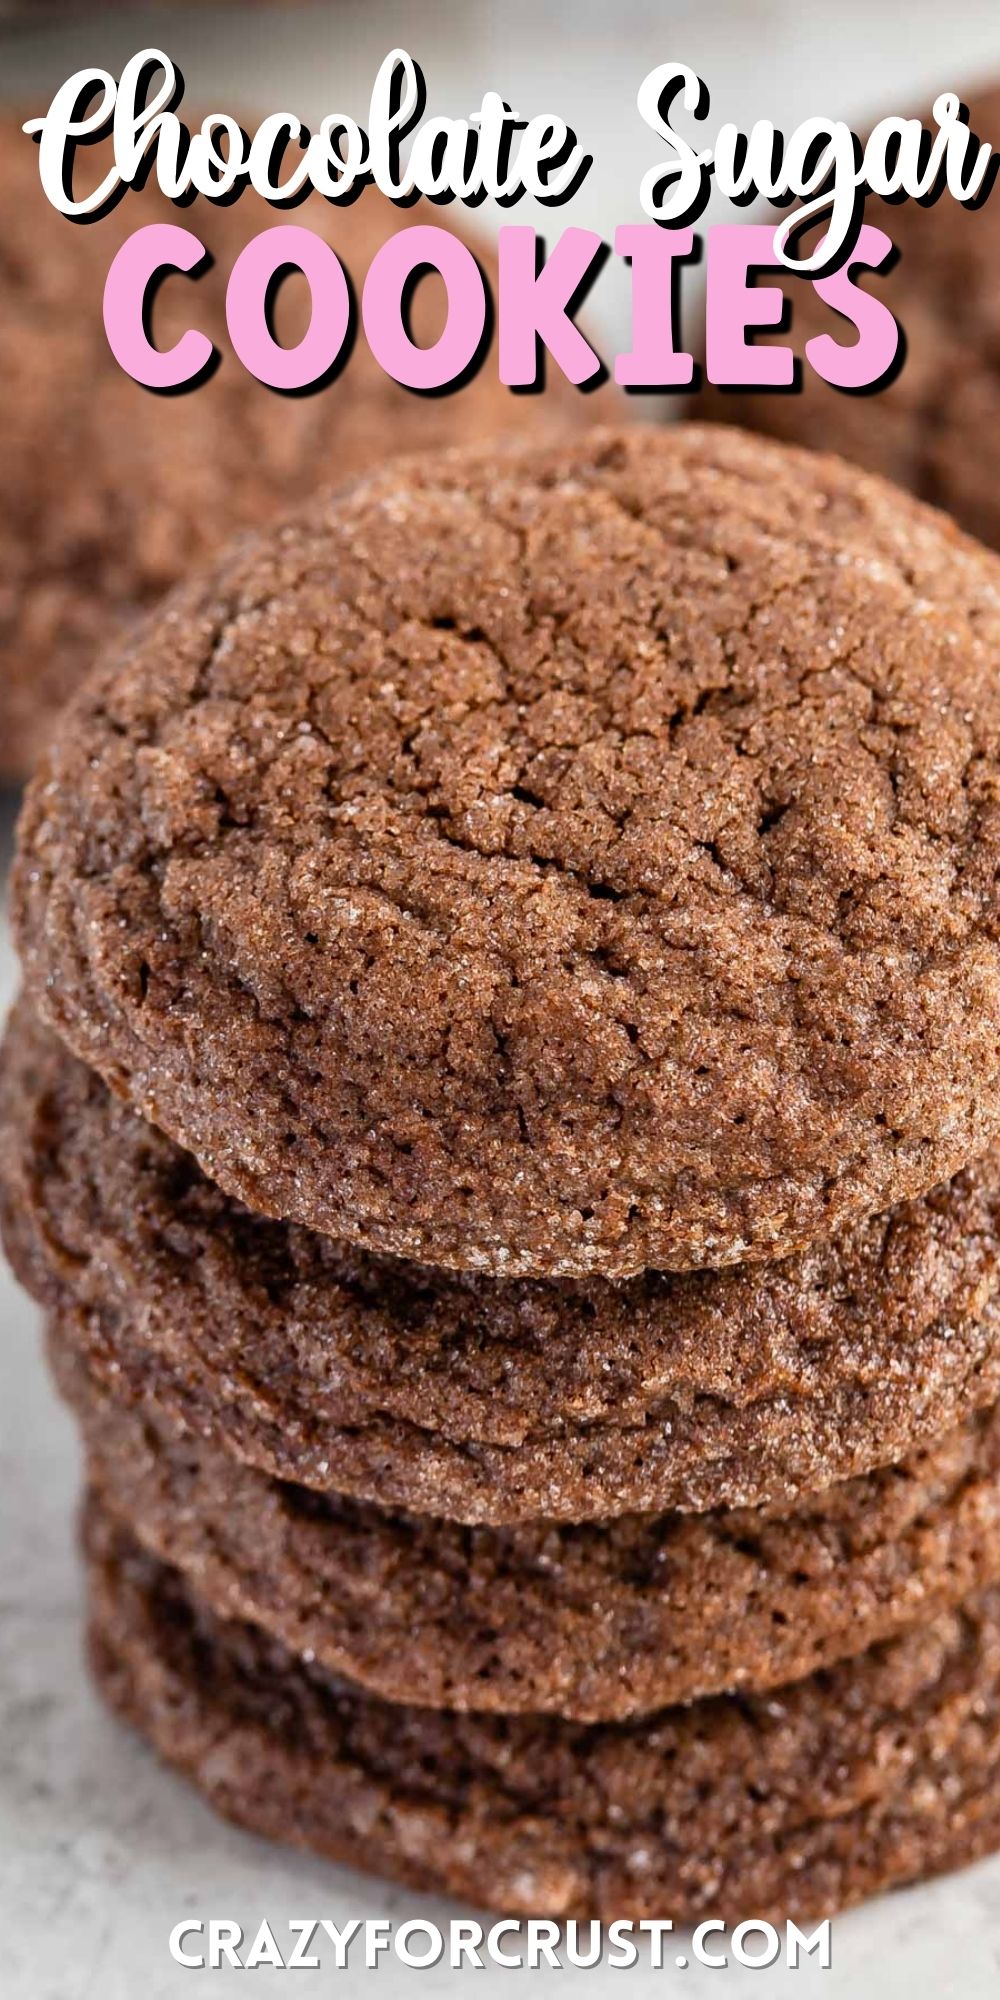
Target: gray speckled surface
point(100, 1851)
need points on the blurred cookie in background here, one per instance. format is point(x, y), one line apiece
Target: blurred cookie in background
point(44, 10)
point(936, 428)
point(112, 493)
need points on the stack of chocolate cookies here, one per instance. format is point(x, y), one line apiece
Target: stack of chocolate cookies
point(503, 1124)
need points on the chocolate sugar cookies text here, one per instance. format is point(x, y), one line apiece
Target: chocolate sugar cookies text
point(502, 1123)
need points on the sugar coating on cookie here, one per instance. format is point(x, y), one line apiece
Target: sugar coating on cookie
point(564, 859)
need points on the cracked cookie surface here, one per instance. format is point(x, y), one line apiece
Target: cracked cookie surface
point(469, 1397)
point(554, 860)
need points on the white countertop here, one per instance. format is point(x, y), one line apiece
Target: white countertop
point(101, 1852)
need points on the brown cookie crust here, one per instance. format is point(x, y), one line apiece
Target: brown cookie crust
point(876, 1772)
point(554, 860)
point(110, 495)
point(596, 1623)
point(935, 429)
point(468, 1397)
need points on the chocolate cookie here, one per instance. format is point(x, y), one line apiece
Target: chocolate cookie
point(109, 493)
point(598, 1623)
point(936, 428)
point(875, 1772)
point(560, 860)
point(465, 1396)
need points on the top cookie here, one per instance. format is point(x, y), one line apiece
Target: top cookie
point(111, 494)
point(562, 859)
point(936, 428)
